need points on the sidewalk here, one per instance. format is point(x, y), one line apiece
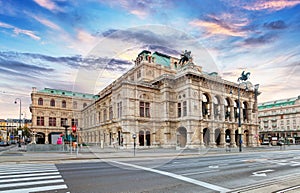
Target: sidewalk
point(19, 155)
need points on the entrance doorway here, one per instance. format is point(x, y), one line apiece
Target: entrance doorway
point(181, 136)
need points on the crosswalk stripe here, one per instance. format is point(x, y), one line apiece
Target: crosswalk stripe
point(36, 189)
point(26, 168)
point(31, 183)
point(27, 175)
point(28, 171)
point(27, 179)
point(23, 178)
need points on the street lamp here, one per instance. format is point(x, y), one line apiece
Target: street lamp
point(134, 144)
point(20, 101)
point(241, 80)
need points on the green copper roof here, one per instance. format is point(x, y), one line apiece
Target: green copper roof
point(68, 93)
point(162, 59)
point(277, 103)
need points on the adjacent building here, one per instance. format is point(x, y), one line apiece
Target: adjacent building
point(53, 109)
point(162, 102)
point(280, 119)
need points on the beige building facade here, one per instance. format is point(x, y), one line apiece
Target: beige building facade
point(280, 119)
point(53, 109)
point(165, 103)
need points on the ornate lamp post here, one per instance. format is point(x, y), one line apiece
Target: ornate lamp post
point(20, 101)
point(244, 77)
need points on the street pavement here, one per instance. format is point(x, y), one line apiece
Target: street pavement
point(263, 169)
point(15, 154)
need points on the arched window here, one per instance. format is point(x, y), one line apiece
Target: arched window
point(52, 103)
point(205, 106)
point(63, 104)
point(84, 105)
point(216, 107)
point(227, 109)
point(40, 101)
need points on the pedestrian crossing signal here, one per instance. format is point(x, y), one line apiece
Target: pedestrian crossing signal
point(74, 129)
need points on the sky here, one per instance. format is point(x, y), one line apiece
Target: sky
point(85, 45)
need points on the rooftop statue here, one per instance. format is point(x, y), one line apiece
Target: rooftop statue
point(244, 76)
point(185, 57)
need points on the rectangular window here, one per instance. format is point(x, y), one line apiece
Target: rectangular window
point(104, 115)
point(74, 122)
point(52, 121)
point(40, 121)
point(99, 117)
point(147, 110)
point(110, 113)
point(144, 109)
point(119, 106)
point(63, 121)
point(179, 109)
point(184, 108)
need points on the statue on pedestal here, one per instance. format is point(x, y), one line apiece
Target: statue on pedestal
point(185, 57)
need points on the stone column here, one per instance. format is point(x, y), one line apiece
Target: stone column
point(212, 142)
point(222, 138)
point(232, 138)
point(201, 138)
point(231, 117)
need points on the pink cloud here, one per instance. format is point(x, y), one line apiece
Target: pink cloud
point(224, 24)
point(273, 5)
point(48, 4)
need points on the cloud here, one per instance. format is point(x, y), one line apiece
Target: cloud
point(225, 24)
point(271, 5)
point(48, 4)
point(275, 25)
point(143, 8)
point(46, 22)
point(263, 39)
point(18, 31)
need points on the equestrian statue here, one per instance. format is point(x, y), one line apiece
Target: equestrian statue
point(244, 76)
point(185, 57)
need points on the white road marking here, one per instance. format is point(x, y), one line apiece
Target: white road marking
point(176, 176)
point(261, 173)
point(202, 172)
point(213, 166)
point(37, 189)
point(22, 178)
point(30, 183)
point(28, 171)
point(32, 178)
point(27, 175)
point(288, 189)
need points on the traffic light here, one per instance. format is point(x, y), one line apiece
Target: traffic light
point(74, 129)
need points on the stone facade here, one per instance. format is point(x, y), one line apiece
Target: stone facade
point(170, 105)
point(52, 109)
point(280, 119)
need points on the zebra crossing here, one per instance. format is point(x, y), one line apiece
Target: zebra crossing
point(23, 178)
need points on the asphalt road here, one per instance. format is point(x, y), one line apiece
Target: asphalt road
point(253, 172)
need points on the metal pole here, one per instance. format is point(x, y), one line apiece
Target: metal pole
point(134, 144)
point(19, 118)
point(239, 121)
